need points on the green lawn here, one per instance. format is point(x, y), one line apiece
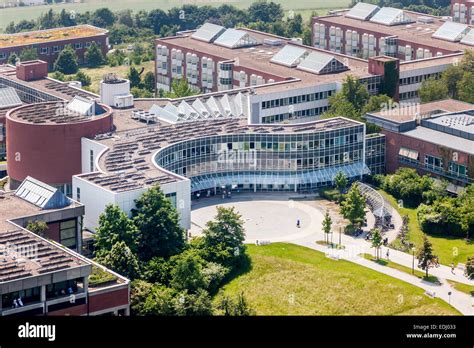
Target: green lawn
point(97, 74)
point(286, 279)
point(305, 7)
point(401, 268)
point(468, 289)
point(448, 249)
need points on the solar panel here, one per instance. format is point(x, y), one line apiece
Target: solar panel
point(362, 11)
point(390, 16)
point(9, 97)
point(208, 32)
point(451, 31)
point(234, 38)
point(468, 39)
point(289, 55)
point(321, 63)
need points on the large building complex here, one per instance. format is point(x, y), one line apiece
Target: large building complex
point(436, 138)
point(367, 31)
point(39, 276)
point(48, 43)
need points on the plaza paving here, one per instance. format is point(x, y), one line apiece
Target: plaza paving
point(272, 217)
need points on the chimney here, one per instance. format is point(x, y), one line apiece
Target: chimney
point(32, 70)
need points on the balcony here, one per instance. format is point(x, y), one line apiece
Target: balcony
point(434, 170)
point(32, 308)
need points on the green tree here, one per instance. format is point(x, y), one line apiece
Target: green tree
point(134, 77)
point(340, 106)
point(432, 90)
point(121, 260)
point(451, 76)
point(341, 181)
point(469, 271)
point(149, 82)
point(224, 237)
point(115, 226)
point(13, 59)
point(268, 12)
point(158, 222)
point(194, 304)
point(377, 103)
point(147, 299)
point(158, 270)
point(103, 17)
point(94, 56)
point(327, 224)
point(465, 87)
point(353, 206)
point(28, 54)
point(180, 89)
point(235, 307)
point(426, 257)
point(355, 92)
point(83, 78)
point(38, 227)
point(67, 61)
point(377, 241)
point(187, 273)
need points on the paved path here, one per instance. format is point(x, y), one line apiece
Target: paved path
point(267, 215)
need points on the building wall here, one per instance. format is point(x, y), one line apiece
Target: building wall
point(49, 152)
point(411, 80)
point(106, 301)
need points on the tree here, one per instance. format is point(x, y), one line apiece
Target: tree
point(149, 299)
point(84, 79)
point(199, 303)
point(180, 89)
point(224, 237)
point(67, 61)
point(355, 92)
point(66, 19)
point(327, 223)
point(28, 54)
point(340, 106)
point(94, 56)
point(103, 17)
point(377, 103)
point(451, 76)
point(341, 181)
point(13, 59)
point(432, 90)
point(187, 273)
point(158, 222)
point(238, 307)
point(134, 77)
point(466, 87)
point(353, 206)
point(268, 12)
point(377, 241)
point(469, 271)
point(38, 227)
point(149, 82)
point(121, 260)
point(115, 226)
point(425, 256)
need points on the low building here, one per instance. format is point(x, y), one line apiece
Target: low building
point(436, 138)
point(39, 276)
point(48, 43)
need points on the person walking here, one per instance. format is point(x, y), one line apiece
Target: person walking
point(388, 254)
point(298, 223)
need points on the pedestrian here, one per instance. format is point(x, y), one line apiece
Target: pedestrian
point(298, 223)
point(388, 254)
point(452, 268)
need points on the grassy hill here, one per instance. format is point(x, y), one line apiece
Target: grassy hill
point(286, 279)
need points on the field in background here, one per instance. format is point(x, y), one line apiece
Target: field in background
point(304, 7)
point(286, 279)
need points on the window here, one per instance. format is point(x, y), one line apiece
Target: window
point(78, 194)
point(28, 296)
point(78, 45)
point(67, 233)
point(172, 198)
point(61, 288)
point(88, 44)
point(55, 49)
point(3, 55)
point(457, 169)
point(434, 163)
point(91, 160)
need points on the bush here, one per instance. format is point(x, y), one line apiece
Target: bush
point(331, 194)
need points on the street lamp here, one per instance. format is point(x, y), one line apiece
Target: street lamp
point(413, 263)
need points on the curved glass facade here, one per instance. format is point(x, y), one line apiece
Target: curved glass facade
point(271, 161)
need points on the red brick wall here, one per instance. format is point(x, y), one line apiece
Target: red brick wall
point(53, 231)
point(34, 70)
point(107, 300)
point(73, 311)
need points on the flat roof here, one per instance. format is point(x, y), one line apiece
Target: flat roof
point(54, 113)
point(49, 35)
point(408, 111)
point(58, 89)
point(259, 58)
point(440, 138)
point(128, 163)
point(416, 32)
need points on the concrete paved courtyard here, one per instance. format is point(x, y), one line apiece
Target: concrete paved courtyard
point(268, 217)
